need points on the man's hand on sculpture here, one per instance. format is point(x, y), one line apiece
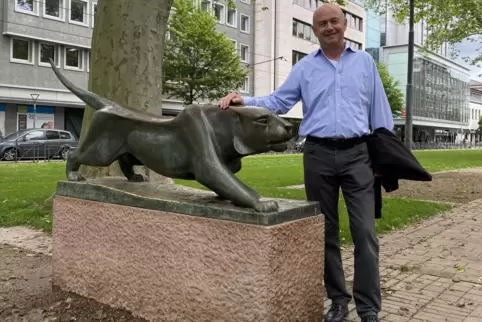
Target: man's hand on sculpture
point(231, 99)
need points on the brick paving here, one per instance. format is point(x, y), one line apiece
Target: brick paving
point(431, 271)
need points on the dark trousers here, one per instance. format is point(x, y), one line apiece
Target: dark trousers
point(327, 169)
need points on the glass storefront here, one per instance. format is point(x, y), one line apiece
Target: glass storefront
point(439, 92)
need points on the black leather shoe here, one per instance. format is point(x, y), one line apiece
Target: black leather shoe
point(337, 313)
point(370, 318)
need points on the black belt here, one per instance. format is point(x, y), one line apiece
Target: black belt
point(335, 142)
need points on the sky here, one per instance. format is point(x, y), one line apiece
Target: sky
point(469, 49)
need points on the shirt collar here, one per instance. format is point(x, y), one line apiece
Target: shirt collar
point(347, 49)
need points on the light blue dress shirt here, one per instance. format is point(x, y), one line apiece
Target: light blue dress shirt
point(342, 98)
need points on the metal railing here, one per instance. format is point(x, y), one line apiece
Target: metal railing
point(444, 146)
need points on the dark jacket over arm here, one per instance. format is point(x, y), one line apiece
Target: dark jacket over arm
point(391, 161)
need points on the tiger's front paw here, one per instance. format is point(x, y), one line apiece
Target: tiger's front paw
point(266, 206)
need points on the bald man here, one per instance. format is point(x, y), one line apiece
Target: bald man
point(343, 99)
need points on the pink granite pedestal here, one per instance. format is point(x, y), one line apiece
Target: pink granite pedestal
point(166, 266)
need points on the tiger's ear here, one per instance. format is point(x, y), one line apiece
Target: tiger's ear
point(251, 112)
point(239, 134)
point(240, 147)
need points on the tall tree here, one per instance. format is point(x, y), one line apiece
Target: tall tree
point(450, 21)
point(126, 60)
point(392, 89)
point(199, 62)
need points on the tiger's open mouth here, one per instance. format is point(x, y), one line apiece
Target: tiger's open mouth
point(278, 146)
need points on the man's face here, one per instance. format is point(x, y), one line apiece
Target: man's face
point(329, 25)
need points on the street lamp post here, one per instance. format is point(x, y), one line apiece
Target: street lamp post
point(409, 97)
point(34, 99)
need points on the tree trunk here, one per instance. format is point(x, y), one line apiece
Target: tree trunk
point(126, 62)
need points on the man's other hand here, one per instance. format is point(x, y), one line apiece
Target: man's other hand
point(231, 99)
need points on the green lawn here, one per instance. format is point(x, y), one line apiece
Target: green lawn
point(27, 188)
point(25, 193)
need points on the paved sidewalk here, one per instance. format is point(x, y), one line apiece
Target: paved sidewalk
point(431, 271)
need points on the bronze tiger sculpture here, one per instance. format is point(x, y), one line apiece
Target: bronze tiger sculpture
point(202, 143)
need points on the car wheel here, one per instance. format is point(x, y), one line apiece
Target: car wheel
point(64, 153)
point(10, 154)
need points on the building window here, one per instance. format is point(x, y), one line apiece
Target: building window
point(21, 51)
point(353, 21)
point(94, 12)
point(54, 9)
point(88, 61)
point(353, 44)
point(296, 56)
point(306, 34)
point(244, 23)
point(308, 4)
point(73, 58)
point(219, 13)
point(245, 87)
point(27, 6)
point(303, 30)
point(244, 53)
point(235, 45)
point(206, 6)
point(231, 19)
point(47, 51)
point(79, 10)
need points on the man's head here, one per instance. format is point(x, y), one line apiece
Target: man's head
point(329, 25)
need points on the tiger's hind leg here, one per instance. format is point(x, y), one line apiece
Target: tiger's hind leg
point(127, 162)
point(98, 149)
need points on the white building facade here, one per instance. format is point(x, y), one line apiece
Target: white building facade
point(283, 36)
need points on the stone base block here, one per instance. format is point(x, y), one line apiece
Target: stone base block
point(166, 266)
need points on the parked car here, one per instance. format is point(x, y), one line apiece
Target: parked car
point(38, 144)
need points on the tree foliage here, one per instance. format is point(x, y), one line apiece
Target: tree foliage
point(448, 21)
point(392, 89)
point(199, 62)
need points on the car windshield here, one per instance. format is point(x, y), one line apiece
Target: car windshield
point(15, 135)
